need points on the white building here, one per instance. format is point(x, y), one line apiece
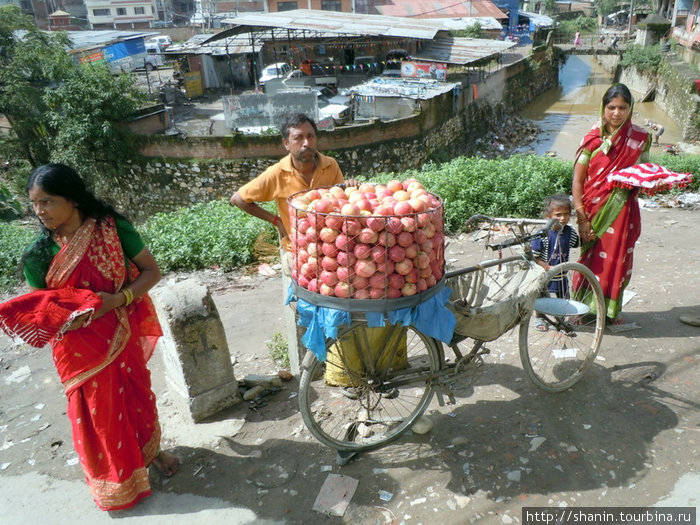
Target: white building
point(121, 14)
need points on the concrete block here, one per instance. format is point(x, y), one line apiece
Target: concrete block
point(194, 348)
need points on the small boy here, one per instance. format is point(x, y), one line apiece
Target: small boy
point(554, 248)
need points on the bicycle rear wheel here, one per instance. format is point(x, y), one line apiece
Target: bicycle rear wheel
point(373, 386)
point(560, 340)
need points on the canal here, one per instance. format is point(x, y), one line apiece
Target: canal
point(565, 114)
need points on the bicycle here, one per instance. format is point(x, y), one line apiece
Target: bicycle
point(376, 382)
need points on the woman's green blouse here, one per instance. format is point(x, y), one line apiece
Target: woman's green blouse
point(36, 262)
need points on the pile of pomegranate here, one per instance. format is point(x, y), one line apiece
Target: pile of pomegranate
point(375, 241)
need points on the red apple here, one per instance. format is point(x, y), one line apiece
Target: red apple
point(377, 254)
point(376, 223)
point(409, 289)
point(393, 225)
point(329, 278)
point(344, 290)
point(329, 249)
point(411, 251)
point(350, 209)
point(328, 234)
point(365, 268)
point(346, 259)
point(329, 264)
point(394, 186)
point(324, 289)
point(405, 239)
point(397, 253)
point(351, 227)
point(403, 207)
point(362, 251)
point(396, 281)
point(334, 221)
point(367, 235)
point(323, 206)
point(378, 280)
point(404, 267)
point(387, 239)
point(409, 224)
point(362, 294)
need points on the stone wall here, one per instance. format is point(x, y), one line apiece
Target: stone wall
point(182, 172)
point(675, 94)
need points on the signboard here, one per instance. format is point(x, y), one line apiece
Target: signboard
point(413, 69)
point(193, 84)
point(93, 56)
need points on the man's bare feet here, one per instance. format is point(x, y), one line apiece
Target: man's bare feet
point(166, 463)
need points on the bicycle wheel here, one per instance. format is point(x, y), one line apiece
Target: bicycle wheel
point(374, 384)
point(560, 340)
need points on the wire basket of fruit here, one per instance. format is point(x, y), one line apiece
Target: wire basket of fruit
point(375, 247)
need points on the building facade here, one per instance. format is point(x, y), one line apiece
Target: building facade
point(121, 14)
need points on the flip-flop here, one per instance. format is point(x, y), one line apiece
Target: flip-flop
point(541, 325)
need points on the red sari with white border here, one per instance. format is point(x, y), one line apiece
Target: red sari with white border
point(103, 369)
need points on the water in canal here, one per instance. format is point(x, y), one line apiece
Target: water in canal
point(565, 114)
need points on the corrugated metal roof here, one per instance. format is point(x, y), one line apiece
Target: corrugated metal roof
point(488, 23)
point(233, 45)
point(92, 39)
point(461, 51)
point(334, 23)
point(441, 8)
point(421, 89)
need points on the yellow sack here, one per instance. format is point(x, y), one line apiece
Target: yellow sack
point(345, 358)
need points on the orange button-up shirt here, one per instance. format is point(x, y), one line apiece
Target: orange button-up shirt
point(281, 180)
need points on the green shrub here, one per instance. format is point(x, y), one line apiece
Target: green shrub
point(204, 236)
point(681, 164)
point(515, 186)
point(644, 58)
point(14, 238)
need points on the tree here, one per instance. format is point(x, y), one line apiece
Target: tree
point(60, 110)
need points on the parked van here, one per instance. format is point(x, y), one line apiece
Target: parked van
point(162, 40)
point(154, 58)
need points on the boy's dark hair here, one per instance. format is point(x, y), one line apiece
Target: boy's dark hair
point(556, 200)
point(294, 121)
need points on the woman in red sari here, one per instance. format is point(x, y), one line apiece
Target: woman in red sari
point(101, 356)
point(608, 218)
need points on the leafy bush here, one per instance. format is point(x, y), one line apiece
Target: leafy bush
point(14, 238)
point(203, 236)
point(681, 164)
point(516, 186)
point(644, 58)
point(567, 28)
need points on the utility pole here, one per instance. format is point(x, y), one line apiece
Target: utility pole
point(629, 25)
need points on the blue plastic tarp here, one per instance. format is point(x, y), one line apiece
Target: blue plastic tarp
point(430, 317)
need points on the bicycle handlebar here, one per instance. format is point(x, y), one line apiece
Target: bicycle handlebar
point(550, 224)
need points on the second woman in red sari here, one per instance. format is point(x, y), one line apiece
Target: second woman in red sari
point(608, 218)
point(101, 357)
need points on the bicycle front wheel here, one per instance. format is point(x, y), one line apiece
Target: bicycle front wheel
point(372, 387)
point(560, 340)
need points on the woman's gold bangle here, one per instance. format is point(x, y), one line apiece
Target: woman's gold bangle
point(129, 295)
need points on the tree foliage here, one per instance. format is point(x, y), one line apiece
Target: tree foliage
point(473, 31)
point(60, 110)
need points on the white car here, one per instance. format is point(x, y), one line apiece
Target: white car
point(273, 71)
point(332, 105)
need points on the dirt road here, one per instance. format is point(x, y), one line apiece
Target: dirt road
point(627, 434)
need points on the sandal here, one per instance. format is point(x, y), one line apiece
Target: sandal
point(541, 325)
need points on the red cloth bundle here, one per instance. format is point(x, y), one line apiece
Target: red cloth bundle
point(38, 317)
point(649, 178)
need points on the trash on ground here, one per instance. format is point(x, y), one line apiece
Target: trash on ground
point(618, 328)
point(536, 442)
point(335, 495)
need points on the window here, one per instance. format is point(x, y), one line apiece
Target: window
point(286, 6)
point(330, 5)
point(101, 12)
point(121, 11)
point(139, 11)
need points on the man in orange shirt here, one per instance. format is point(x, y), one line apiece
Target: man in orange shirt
point(303, 169)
